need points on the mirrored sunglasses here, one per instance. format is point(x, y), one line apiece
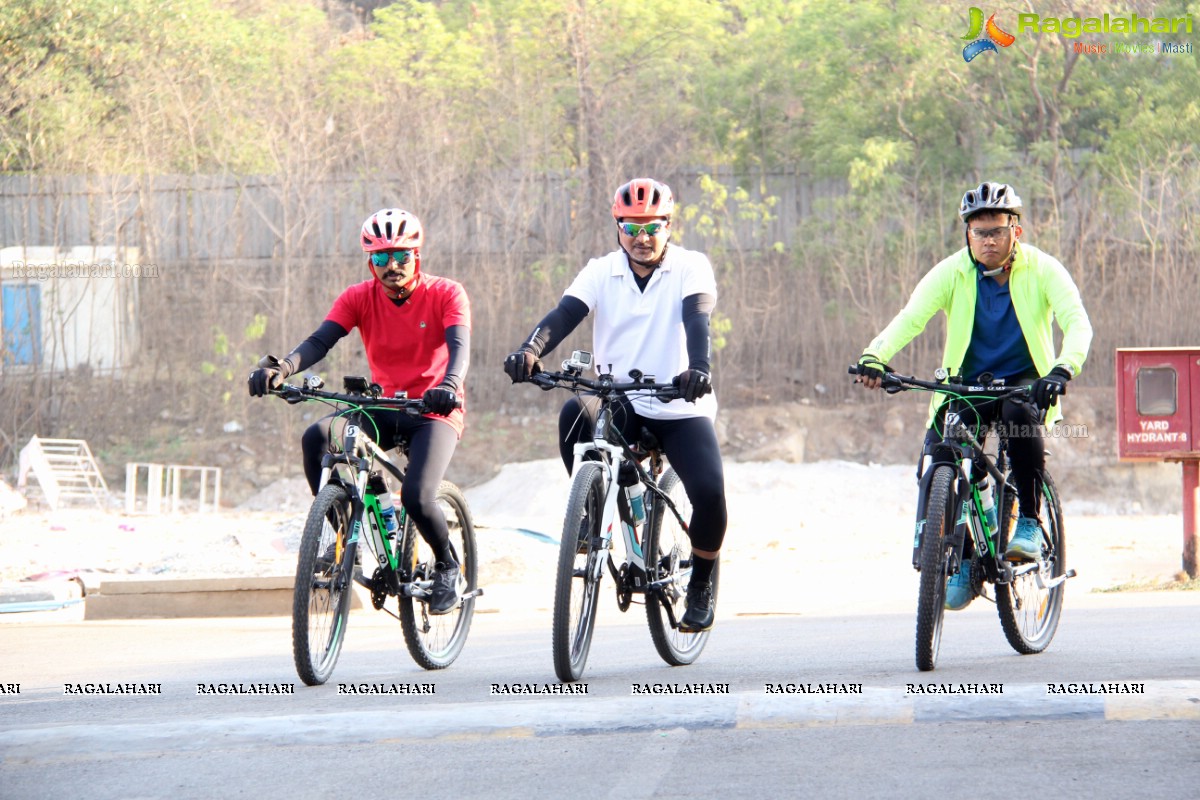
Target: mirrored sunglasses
point(381, 259)
point(635, 229)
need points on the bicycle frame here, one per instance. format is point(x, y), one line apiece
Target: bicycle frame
point(352, 468)
point(614, 456)
point(962, 451)
point(614, 452)
point(360, 454)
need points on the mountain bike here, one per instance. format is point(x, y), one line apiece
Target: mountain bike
point(952, 525)
point(610, 489)
point(349, 504)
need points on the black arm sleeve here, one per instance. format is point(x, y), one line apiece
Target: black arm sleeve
point(458, 340)
point(557, 325)
point(696, 310)
point(317, 346)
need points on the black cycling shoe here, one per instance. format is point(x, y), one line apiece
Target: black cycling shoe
point(699, 614)
point(443, 594)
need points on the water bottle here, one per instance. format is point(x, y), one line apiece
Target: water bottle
point(386, 508)
point(637, 503)
point(389, 514)
point(987, 499)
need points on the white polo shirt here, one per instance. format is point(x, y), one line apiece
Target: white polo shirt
point(644, 330)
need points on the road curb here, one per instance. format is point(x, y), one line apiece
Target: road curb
point(575, 715)
point(173, 598)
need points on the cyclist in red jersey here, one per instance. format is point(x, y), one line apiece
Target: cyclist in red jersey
point(416, 329)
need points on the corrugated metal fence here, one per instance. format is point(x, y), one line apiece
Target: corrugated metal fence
point(179, 218)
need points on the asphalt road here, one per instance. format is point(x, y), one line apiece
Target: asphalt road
point(877, 734)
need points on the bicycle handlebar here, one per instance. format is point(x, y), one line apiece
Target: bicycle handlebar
point(895, 382)
point(603, 385)
point(295, 394)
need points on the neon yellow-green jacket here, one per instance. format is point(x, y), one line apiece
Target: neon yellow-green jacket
point(1041, 290)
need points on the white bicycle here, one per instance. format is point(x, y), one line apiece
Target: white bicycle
point(612, 491)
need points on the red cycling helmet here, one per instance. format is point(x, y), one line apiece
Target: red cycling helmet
point(391, 229)
point(643, 197)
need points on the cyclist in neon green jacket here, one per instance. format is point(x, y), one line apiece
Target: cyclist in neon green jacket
point(1000, 297)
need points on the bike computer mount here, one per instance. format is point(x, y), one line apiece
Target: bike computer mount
point(356, 384)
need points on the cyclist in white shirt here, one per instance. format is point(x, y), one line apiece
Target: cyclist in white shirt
point(652, 303)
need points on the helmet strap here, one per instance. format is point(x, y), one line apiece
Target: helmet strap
point(1006, 266)
point(645, 264)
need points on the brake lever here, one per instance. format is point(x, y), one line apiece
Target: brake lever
point(543, 381)
point(291, 394)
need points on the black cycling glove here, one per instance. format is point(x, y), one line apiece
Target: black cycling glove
point(1045, 390)
point(522, 365)
point(440, 400)
point(693, 384)
point(270, 374)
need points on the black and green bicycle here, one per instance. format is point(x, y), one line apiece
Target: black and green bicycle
point(346, 512)
point(952, 528)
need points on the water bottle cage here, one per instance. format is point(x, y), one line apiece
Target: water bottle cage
point(627, 474)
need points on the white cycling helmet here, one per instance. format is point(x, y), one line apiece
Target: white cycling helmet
point(990, 196)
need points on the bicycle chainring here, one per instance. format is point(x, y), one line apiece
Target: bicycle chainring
point(977, 578)
point(624, 589)
point(379, 592)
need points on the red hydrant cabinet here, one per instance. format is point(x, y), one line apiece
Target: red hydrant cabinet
point(1158, 419)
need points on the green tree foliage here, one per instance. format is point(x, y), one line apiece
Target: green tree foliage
point(512, 118)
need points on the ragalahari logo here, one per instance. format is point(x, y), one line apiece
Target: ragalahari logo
point(992, 35)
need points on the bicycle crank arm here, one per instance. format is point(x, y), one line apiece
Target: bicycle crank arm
point(1024, 569)
point(658, 586)
point(418, 589)
point(657, 589)
point(1050, 584)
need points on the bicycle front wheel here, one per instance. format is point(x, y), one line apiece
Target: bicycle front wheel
point(669, 566)
point(322, 591)
point(577, 584)
point(1029, 612)
point(435, 640)
point(931, 595)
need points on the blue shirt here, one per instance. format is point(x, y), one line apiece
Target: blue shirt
point(997, 341)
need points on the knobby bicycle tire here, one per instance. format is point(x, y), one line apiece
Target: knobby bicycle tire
point(931, 595)
point(668, 554)
point(1029, 614)
point(577, 584)
point(435, 640)
point(322, 590)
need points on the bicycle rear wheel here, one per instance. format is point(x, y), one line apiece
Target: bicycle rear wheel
point(935, 550)
point(669, 564)
point(1029, 613)
point(435, 640)
point(322, 591)
point(577, 584)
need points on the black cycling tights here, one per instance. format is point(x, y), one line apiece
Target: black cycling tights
point(690, 444)
point(1026, 448)
point(431, 446)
